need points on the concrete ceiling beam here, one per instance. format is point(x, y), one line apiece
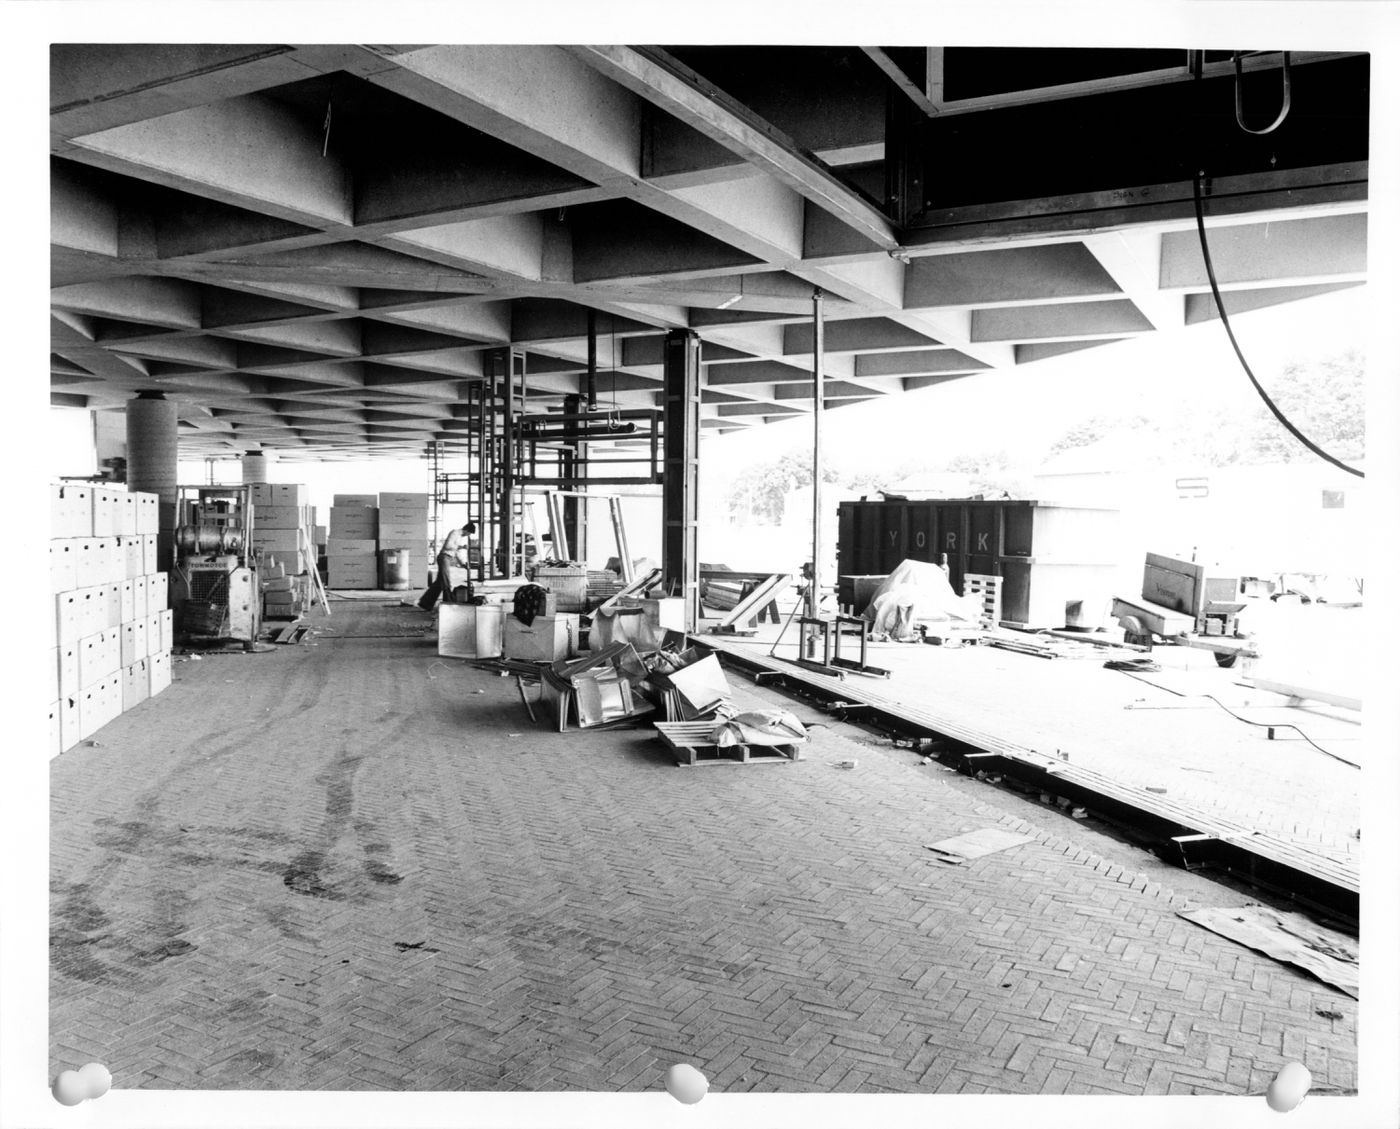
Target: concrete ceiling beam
point(1202, 307)
point(1059, 323)
point(100, 86)
point(537, 98)
point(856, 335)
point(500, 247)
point(923, 362)
point(154, 301)
point(1041, 274)
point(675, 88)
point(1316, 249)
point(1133, 259)
point(248, 152)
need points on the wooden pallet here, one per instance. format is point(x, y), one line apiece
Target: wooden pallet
point(689, 742)
point(989, 589)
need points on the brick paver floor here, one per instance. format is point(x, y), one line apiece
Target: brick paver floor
point(355, 866)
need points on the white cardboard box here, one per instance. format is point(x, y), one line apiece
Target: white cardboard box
point(157, 592)
point(62, 569)
point(339, 548)
point(68, 669)
point(280, 517)
point(467, 631)
point(70, 511)
point(149, 546)
point(135, 645)
point(547, 638)
point(126, 515)
point(147, 514)
point(70, 725)
point(99, 655)
point(127, 591)
point(165, 638)
point(55, 729)
point(159, 665)
point(136, 684)
point(279, 540)
point(140, 599)
point(133, 554)
point(110, 562)
point(111, 597)
point(106, 506)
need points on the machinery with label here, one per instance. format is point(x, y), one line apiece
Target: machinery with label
point(1181, 604)
point(214, 583)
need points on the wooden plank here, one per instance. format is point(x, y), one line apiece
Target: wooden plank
point(1308, 692)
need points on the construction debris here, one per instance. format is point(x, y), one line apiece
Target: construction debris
point(975, 844)
point(1287, 937)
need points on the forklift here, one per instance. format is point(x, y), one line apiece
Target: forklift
point(214, 589)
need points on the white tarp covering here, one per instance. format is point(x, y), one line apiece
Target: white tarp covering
point(914, 591)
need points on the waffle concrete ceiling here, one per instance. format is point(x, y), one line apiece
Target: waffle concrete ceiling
point(318, 250)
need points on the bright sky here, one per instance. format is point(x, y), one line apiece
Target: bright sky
point(1027, 408)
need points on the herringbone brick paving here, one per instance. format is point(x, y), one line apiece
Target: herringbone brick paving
point(361, 870)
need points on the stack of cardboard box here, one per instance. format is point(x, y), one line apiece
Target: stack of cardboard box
point(283, 525)
point(403, 524)
point(350, 549)
point(112, 627)
point(285, 597)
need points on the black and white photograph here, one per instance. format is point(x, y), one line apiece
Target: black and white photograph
point(731, 573)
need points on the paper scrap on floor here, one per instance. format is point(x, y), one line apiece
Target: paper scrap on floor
point(1288, 937)
point(975, 844)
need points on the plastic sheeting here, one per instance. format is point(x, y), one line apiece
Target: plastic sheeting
point(915, 591)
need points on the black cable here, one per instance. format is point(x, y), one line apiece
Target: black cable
point(1276, 725)
point(1225, 321)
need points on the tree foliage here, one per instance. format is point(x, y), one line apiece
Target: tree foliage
point(1324, 399)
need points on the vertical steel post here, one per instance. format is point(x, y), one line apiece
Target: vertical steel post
point(680, 506)
point(571, 471)
point(591, 386)
point(818, 375)
point(509, 439)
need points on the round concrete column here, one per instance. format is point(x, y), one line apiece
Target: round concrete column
point(255, 467)
point(152, 460)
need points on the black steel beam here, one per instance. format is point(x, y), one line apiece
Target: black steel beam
point(680, 506)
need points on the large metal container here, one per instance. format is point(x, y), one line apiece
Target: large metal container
point(394, 569)
point(1057, 563)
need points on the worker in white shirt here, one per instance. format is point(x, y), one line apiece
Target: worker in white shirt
point(452, 571)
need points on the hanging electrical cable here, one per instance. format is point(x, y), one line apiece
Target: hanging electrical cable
point(1239, 97)
point(1225, 321)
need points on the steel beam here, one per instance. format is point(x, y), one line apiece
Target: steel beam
point(680, 507)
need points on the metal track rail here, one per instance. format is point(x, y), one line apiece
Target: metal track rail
point(1191, 839)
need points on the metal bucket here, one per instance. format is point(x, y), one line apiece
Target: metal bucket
point(394, 567)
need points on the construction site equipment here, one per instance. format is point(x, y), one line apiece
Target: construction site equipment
point(831, 630)
point(214, 589)
point(756, 597)
point(1180, 604)
point(637, 587)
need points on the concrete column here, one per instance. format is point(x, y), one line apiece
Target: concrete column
point(254, 467)
point(152, 461)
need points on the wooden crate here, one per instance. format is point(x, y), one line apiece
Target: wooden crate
point(690, 744)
